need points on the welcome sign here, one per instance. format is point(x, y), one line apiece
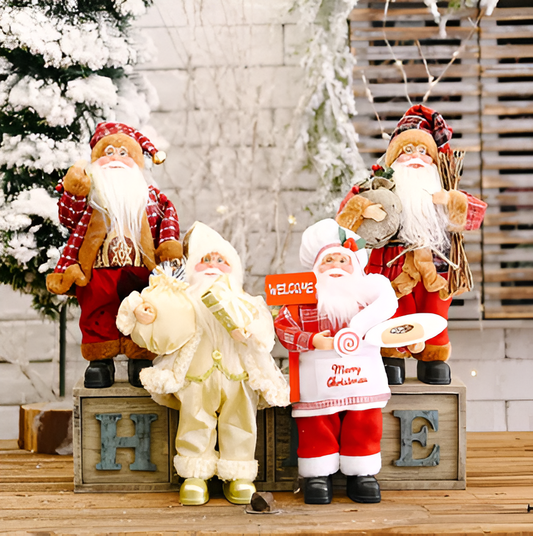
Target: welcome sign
point(291, 289)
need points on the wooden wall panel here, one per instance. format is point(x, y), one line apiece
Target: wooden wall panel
point(414, 39)
point(486, 95)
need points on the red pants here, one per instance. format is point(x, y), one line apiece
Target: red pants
point(350, 433)
point(100, 299)
point(422, 301)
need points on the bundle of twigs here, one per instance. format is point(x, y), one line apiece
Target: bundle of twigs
point(460, 279)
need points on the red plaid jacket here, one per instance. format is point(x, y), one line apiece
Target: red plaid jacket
point(75, 214)
point(297, 334)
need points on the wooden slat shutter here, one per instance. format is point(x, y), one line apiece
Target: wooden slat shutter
point(506, 58)
point(457, 96)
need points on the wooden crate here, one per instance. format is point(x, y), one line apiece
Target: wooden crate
point(277, 441)
point(156, 474)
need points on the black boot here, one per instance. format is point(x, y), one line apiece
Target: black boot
point(363, 489)
point(318, 490)
point(434, 372)
point(395, 369)
point(134, 368)
point(100, 374)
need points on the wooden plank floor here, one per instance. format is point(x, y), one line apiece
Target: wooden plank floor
point(37, 498)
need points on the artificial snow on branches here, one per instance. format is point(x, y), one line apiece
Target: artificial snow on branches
point(326, 132)
point(64, 67)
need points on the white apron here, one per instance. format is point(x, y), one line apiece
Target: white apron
point(330, 383)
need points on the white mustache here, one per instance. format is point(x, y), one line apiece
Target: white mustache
point(415, 160)
point(115, 164)
point(212, 271)
point(336, 271)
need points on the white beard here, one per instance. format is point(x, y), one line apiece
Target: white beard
point(121, 194)
point(339, 298)
point(423, 224)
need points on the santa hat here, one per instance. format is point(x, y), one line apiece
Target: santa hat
point(108, 129)
point(327, 236)
point(201, 240)
point(420, 125)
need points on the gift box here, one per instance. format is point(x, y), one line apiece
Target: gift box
point(232, 311)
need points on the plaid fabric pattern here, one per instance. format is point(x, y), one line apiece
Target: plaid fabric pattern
point(105, 129)
point(475, 213)
point(75, 214)
point(298, 336)
point(423, 118)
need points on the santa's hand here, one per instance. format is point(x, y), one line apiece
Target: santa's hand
point(417, 347)
point(238, 335)
point(76, 181)
point(323, 341)
point(374, 212)
point(145, 313)
point(441, 198)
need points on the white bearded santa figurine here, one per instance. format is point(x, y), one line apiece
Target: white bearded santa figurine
point(415, 256)
point(121, 227)
point(214, 365)
point(338, 416)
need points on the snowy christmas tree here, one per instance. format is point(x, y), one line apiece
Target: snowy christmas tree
point(65, 65)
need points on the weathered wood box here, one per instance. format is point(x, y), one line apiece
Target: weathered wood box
point(423, 445)
point(123, 440)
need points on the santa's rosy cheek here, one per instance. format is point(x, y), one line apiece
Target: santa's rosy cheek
point(203, 266)
point(348, 268)
point(104, 160)
point(406, 157)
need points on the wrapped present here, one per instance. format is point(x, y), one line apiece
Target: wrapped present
point(232, 311)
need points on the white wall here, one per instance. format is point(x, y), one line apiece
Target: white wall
point(499, 395)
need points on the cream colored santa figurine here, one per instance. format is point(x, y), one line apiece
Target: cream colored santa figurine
point(343, 384)
point(121, 227)
point(214, 364)
point(414, 249)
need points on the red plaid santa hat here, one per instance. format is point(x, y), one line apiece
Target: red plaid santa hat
point(108, 129)
point(420, 125)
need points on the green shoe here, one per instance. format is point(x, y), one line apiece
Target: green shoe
point(193, 492)
point(239, 491)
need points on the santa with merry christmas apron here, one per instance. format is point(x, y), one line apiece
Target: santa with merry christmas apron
point(342, 391)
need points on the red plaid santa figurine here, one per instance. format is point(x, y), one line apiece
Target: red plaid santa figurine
point(121, 228)
point(415, 256)
point(343, 384)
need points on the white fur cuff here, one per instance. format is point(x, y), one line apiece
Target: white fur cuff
point(320, 466)
point(161, 382)
point(189, 467)
point(233, 470)
point(126, 318)
point(361, 465)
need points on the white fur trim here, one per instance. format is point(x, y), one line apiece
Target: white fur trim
point(167, 375)
point(361, 465)
point(321, 466)
point(234, 470)
point(269, 381)
point(201, 467)
point(126, 318)
point(161, 382)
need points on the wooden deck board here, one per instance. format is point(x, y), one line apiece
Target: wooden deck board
point(39, 500)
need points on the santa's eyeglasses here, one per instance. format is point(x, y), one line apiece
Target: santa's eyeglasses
point(410, 148)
